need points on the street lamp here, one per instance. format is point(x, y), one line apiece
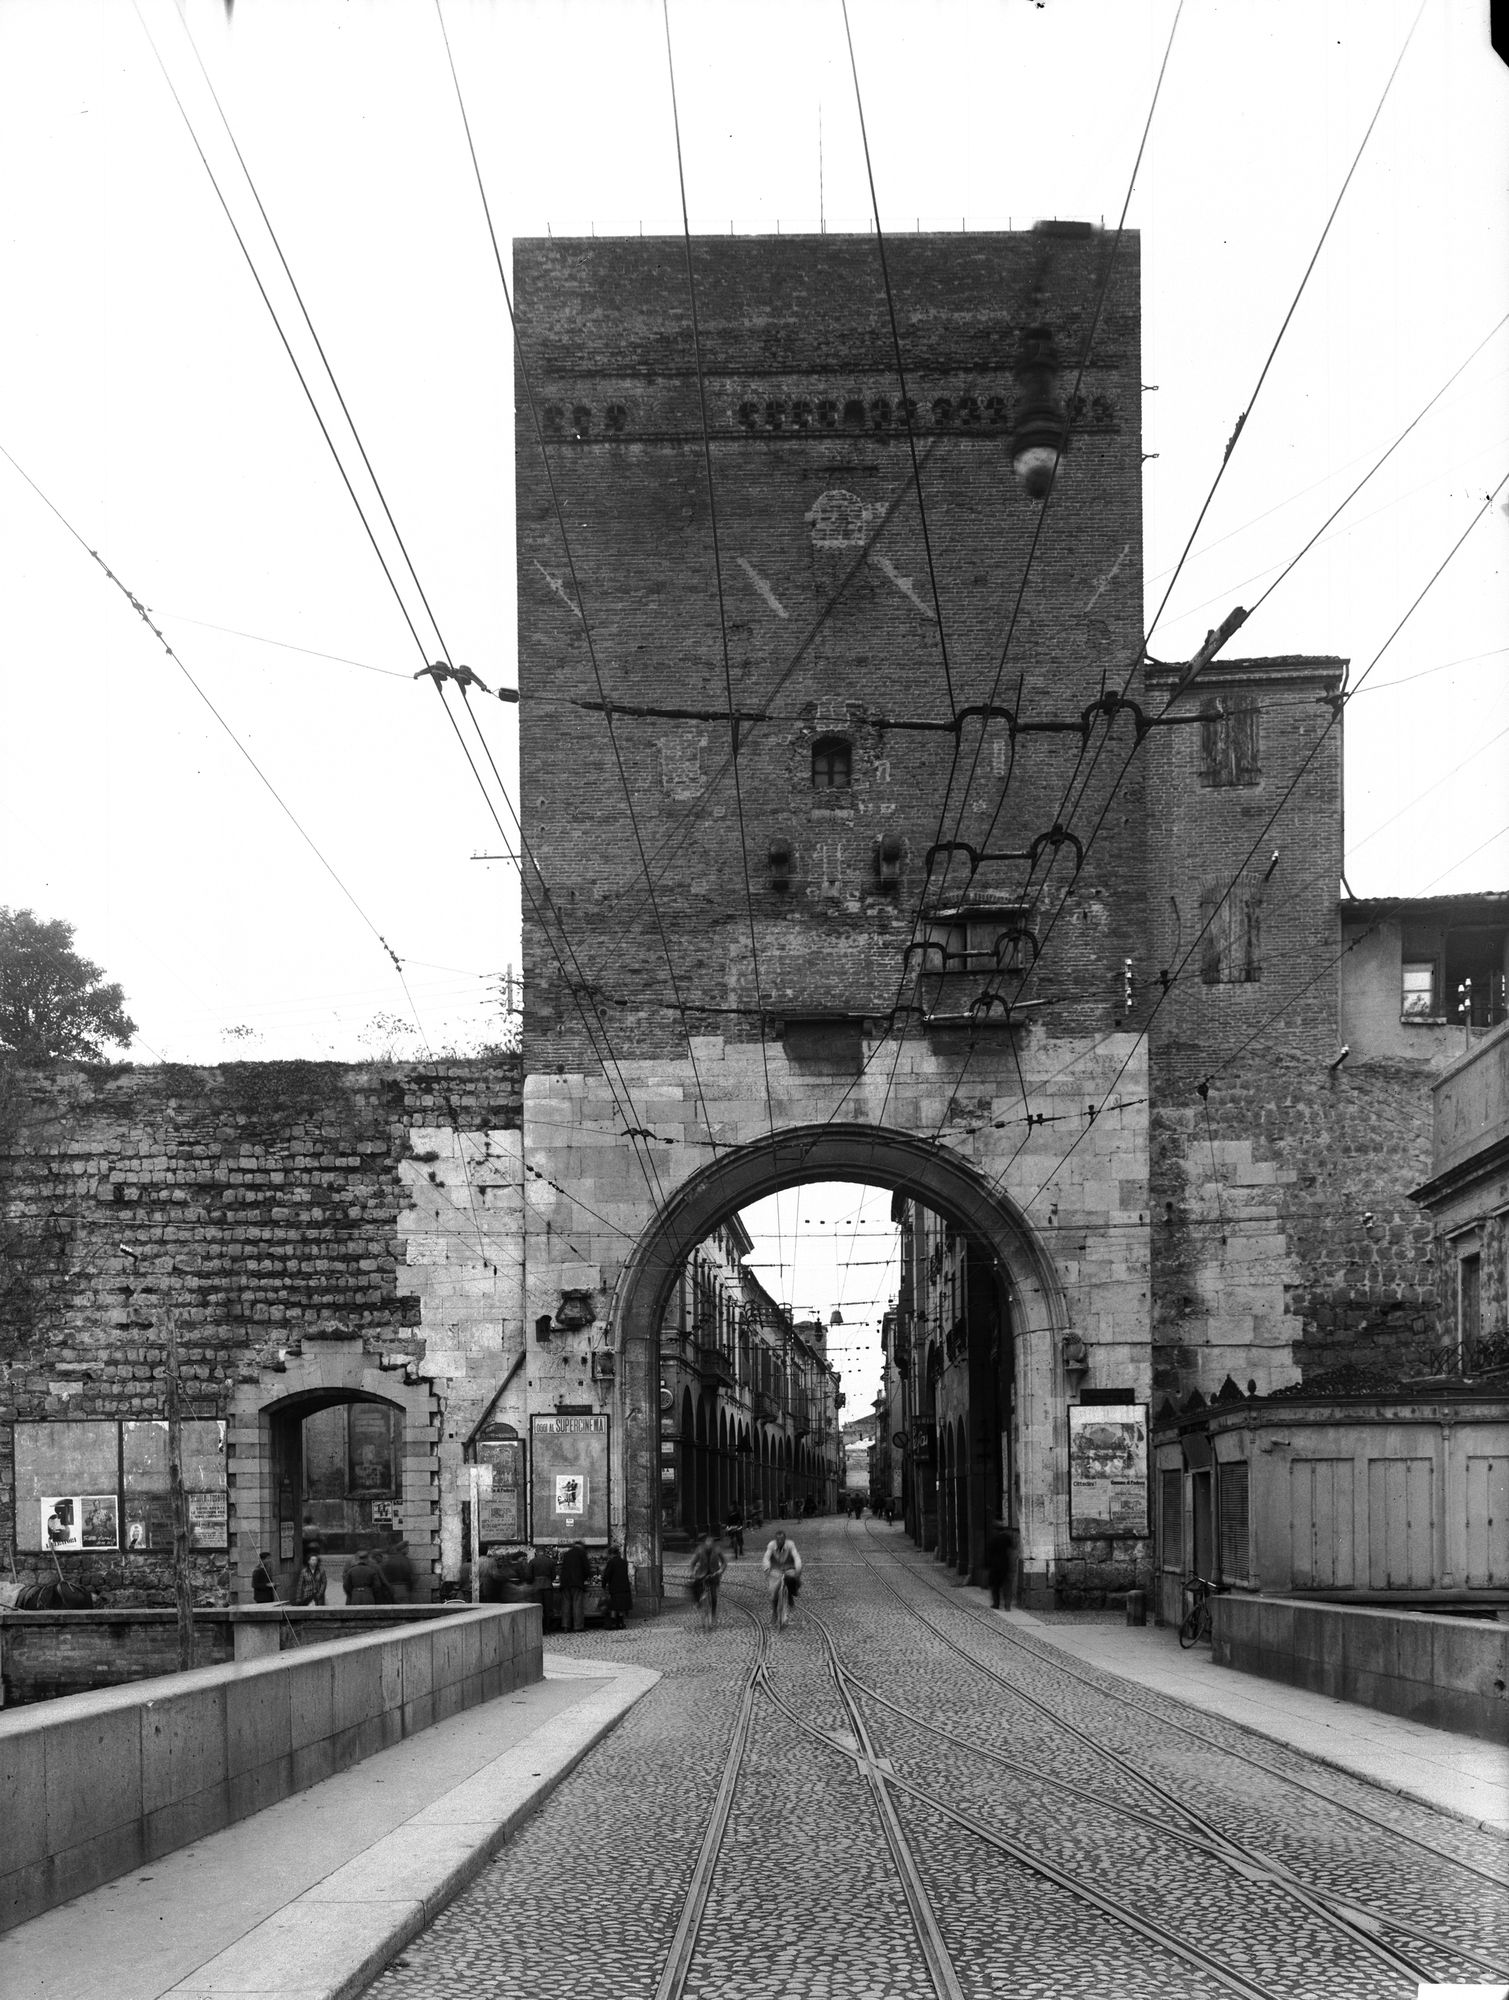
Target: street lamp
point(1040, 436)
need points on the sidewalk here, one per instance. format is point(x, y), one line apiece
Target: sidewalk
point(1460, 1775)
point(307, 1900)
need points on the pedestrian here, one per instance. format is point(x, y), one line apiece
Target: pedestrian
point(312, 1580)
point(541, 1576)
point(782, 1565)
point(735, 1527)
point(618, 1591)
point(264, 1590)
point(396, 1568)
point(358, 1579)
point(573, 1574)
point(708, 1566)
point(1000, 1564)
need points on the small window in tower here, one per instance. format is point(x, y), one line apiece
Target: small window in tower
point(1229, 741)
point(831, 764)
point(1417, 1000)
point(1231, 943)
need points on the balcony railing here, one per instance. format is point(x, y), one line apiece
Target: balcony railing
point(767, 1406)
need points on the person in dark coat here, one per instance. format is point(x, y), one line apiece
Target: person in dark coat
point(359, 1578)
point(397, 1573)
point(312, 1580)
point(617, 1588)
point(264, 1590)
point(573, 1574)
point(1000, 1564)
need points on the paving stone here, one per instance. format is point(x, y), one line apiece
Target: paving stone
point(806, 1899)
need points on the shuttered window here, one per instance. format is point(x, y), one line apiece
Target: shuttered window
point(1171, 1518)
point(1232, 1500)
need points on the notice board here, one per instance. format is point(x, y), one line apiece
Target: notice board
point(500, 1512)
point(1107, 1469)
point(568, 1479)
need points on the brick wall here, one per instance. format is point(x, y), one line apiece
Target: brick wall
point(807, 456)
point(1284, 1242)
point(268, 1206)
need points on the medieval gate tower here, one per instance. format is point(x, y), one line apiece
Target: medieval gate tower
point(858, 929)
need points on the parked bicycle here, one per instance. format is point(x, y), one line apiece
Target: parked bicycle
point(1196, 1623)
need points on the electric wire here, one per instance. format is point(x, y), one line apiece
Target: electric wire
point(712, 507)
point(1086, 348)
point(555, 501)
point(1331, 722)
point(1105, 810)
point(645, 1160)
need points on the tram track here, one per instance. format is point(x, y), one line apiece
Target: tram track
point(1360, 1926)
point(857, 1748)
point(1056, 1663)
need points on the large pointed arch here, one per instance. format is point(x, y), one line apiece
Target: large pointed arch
point(919, 1169)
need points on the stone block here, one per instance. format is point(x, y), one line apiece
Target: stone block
point(76, 1870)
point(311, 1701)
point(23, 1801)
point(1470, 1656)
point(185, 1820)
point(93, 1777)
point(1414, 1651)
point(257, 1723)
point(182, 1749)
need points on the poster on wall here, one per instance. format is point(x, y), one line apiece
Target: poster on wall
point(568, 1490)
point(1107, 1469)
point(500, 1512)
point(62, 1522)
point(369, 1448)
point(207, 1520)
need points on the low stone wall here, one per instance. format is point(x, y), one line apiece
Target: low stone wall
point(1451, 1673)
point(94, 1785)
point(45, 1654)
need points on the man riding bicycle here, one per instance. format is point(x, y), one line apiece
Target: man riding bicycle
point(782, 1565)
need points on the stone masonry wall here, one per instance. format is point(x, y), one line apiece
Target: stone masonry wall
point(270, 1208)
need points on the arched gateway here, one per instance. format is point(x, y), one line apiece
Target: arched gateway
point(918, 1169)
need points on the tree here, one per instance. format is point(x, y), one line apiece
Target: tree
point(54, 1004)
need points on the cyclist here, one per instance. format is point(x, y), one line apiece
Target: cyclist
point(708, 1565)
point(782, 1564)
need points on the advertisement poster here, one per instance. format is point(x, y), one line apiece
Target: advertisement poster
point(500, 1512)
point(62, 1523)
point(81, 1521)
point(569, 1479)
point(207, 1520)
point(1107, 1469)
point(369, 1445)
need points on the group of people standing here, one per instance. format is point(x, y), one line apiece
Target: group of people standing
point(373, 1576)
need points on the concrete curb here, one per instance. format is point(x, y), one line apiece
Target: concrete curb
point(331, 1942)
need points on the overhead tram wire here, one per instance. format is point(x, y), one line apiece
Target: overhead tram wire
point(1308, 545)
point(555, 501)
point(631, 1122)
point(1267, 826)
point(1086, 348)
point(1236, 435)
point(1264, 833)
point(668, 849)
point(712, 508)
point(1163, 716)
point(146, 617)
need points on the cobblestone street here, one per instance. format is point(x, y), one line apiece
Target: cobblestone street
point(928, 1800)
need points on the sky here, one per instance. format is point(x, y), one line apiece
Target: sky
point(147, 393)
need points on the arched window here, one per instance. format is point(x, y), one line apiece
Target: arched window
point(831, 764)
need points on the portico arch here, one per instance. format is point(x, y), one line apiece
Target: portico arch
point(266, 1419)
point(919, 1169)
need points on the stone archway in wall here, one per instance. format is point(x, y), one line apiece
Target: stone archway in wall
point(263, 1460)
point(916, 1168)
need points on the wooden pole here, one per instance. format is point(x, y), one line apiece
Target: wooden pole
point(183, 1594)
